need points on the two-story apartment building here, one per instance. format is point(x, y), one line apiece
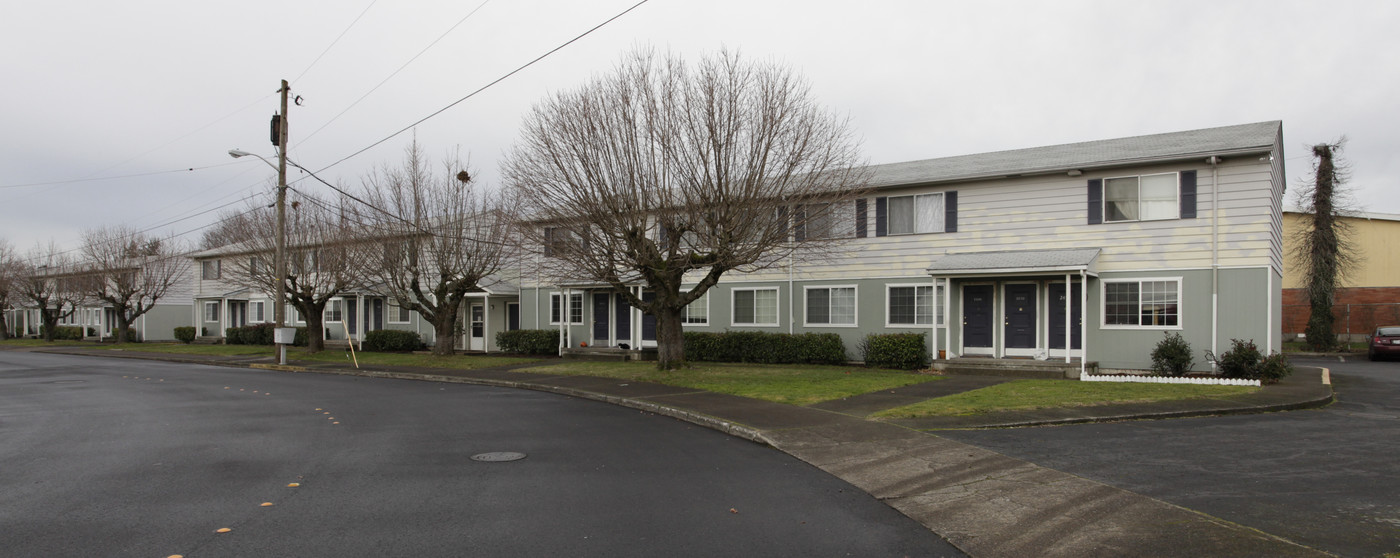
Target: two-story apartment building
point(221, 302)
point(1084, 252)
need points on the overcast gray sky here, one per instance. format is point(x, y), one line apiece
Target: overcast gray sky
point(97, 90)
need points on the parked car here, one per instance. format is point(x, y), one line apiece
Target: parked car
point(1385, 343)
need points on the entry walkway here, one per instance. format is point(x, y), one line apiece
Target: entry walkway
point(986, 503)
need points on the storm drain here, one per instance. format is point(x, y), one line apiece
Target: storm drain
point(498, 456)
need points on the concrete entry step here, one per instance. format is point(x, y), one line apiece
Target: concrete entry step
point(1012, 367)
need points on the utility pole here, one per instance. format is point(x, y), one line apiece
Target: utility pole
point(280, 258)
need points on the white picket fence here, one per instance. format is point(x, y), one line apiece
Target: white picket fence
point(1169, 380)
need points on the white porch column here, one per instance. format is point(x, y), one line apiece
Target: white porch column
point(947, 315)
point(563, 318)
point(1083, 321)
point(486, 323)
point(1069, 294)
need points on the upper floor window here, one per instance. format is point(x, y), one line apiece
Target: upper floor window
point(1142, 303)
point(1141, 198)
point(210, 269)
point(921, 213)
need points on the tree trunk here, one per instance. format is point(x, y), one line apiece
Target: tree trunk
point(1322, 278)
point(315, 332)
point(50, 324)
point(443, 329)
point(4, 327)
point(122, 325)
point(670, 340)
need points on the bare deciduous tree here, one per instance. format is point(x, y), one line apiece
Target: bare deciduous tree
point(321, 256)
point(10, 270)
point(47, 283)
point(130, 271)
point(663, 174)
point(445, 236)
point(1322, 249)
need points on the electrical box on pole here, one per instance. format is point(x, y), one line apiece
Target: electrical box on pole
point(277, 130)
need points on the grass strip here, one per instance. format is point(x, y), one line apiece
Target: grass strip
point(790, 384)
point(1022, 395)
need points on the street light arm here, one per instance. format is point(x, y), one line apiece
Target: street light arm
point(236, 153)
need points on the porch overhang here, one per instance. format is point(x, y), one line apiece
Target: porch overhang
point(1016, 263)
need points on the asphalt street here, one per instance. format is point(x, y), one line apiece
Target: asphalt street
point(1325, 478)
point(106, 457)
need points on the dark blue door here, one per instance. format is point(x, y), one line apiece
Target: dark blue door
point(600, 317)
point(622, 322)
point(977, 316)
point(1020, 316)
point(1057, 316)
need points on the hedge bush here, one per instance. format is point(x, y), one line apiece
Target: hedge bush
point(1172, 356)
point(904, 351)
point(131, 335)
point(529, 341)
point(185, 334)
point(764, 348)
point(256, 334)
point(1244, 361)
point(64, 333)
point(392, 340)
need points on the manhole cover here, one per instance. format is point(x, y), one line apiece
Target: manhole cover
point(497, 456)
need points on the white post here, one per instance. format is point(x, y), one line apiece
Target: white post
point(947, 315)
point(1083, 323)
point(1069, 293)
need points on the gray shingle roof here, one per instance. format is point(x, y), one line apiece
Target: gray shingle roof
point(1242, 138)
point(1014, 260)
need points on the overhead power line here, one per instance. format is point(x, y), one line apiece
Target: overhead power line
point(97, 178)
point(487, 86)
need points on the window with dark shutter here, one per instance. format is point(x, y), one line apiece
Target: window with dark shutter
point(799, 223)
point(950, 211)
point(549, 242)
point(1096, 201)
point(1188, 194)
point(880, 217)
point(861, 230)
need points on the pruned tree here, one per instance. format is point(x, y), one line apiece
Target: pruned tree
point(46, 282)
point(663, 174)
point(130, 271)
point(442, 237)
point(10, 270)
point(321, 255)
point(1321, 249)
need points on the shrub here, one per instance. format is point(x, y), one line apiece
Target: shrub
point(92, 332)
point(764, 348)
point(906, 351)
point(302, 337)
point(391, 340)
point(64, 333)
point(1172, 355)
point(203, 331)
point(529, 341)
point(257, 334)
point(233, 336)
point(1244, 361)
point(185, 334)
point(131, 335)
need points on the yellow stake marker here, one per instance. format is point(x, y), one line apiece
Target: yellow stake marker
point(318, 408)
point(293, 485)
point(267, 504)
point(224, 530)
point(177, 556)
point(326, 413)
point(336, 422)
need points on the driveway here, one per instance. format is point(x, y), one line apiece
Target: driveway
point(136, 458)
point(1325, 478)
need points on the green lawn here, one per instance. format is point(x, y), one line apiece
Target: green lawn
point(1039, 394)
point(791, 384)
point(42, 343)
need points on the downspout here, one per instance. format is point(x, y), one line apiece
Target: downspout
point(1214, 257)
point(791, 311)
point(1069, 313)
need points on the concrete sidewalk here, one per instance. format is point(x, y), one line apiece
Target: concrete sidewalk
point(986, 503)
